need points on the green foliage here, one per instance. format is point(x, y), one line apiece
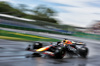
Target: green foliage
point(23, 7)
point(6, 8)
point(41, 13)
point(44, 11)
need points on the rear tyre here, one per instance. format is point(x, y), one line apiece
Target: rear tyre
point(36, 55)
point(83, 52)
point(37, 45)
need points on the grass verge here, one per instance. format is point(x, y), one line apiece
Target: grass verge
point(23, 37)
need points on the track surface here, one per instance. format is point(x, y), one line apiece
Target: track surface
point(12, 53)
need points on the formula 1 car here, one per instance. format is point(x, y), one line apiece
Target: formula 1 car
point(59, 51)
point(53, 51)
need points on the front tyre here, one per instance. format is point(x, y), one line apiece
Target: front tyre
point(59, 53)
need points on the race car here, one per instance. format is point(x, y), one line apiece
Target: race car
point(52, 51)
point(58, 51)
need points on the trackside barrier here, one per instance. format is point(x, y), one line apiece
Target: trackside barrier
point(31, 29)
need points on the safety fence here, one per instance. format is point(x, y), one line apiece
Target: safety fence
point(32, 29)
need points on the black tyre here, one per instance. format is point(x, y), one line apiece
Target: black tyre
point(37, 45)
point(29, 47)
point(83, 52)
point(36, 55)
point(59, 53)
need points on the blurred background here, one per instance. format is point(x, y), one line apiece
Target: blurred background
point(62, 17)
point(23, 22)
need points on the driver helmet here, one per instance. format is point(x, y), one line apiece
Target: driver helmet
point(66, 41)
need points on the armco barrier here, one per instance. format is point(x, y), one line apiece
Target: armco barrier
point(31, 29)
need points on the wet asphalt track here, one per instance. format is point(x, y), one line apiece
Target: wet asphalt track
point(12, 53)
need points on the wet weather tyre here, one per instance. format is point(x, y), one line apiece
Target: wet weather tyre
point(37, 45)
point(83, 52)
point(59, 53)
